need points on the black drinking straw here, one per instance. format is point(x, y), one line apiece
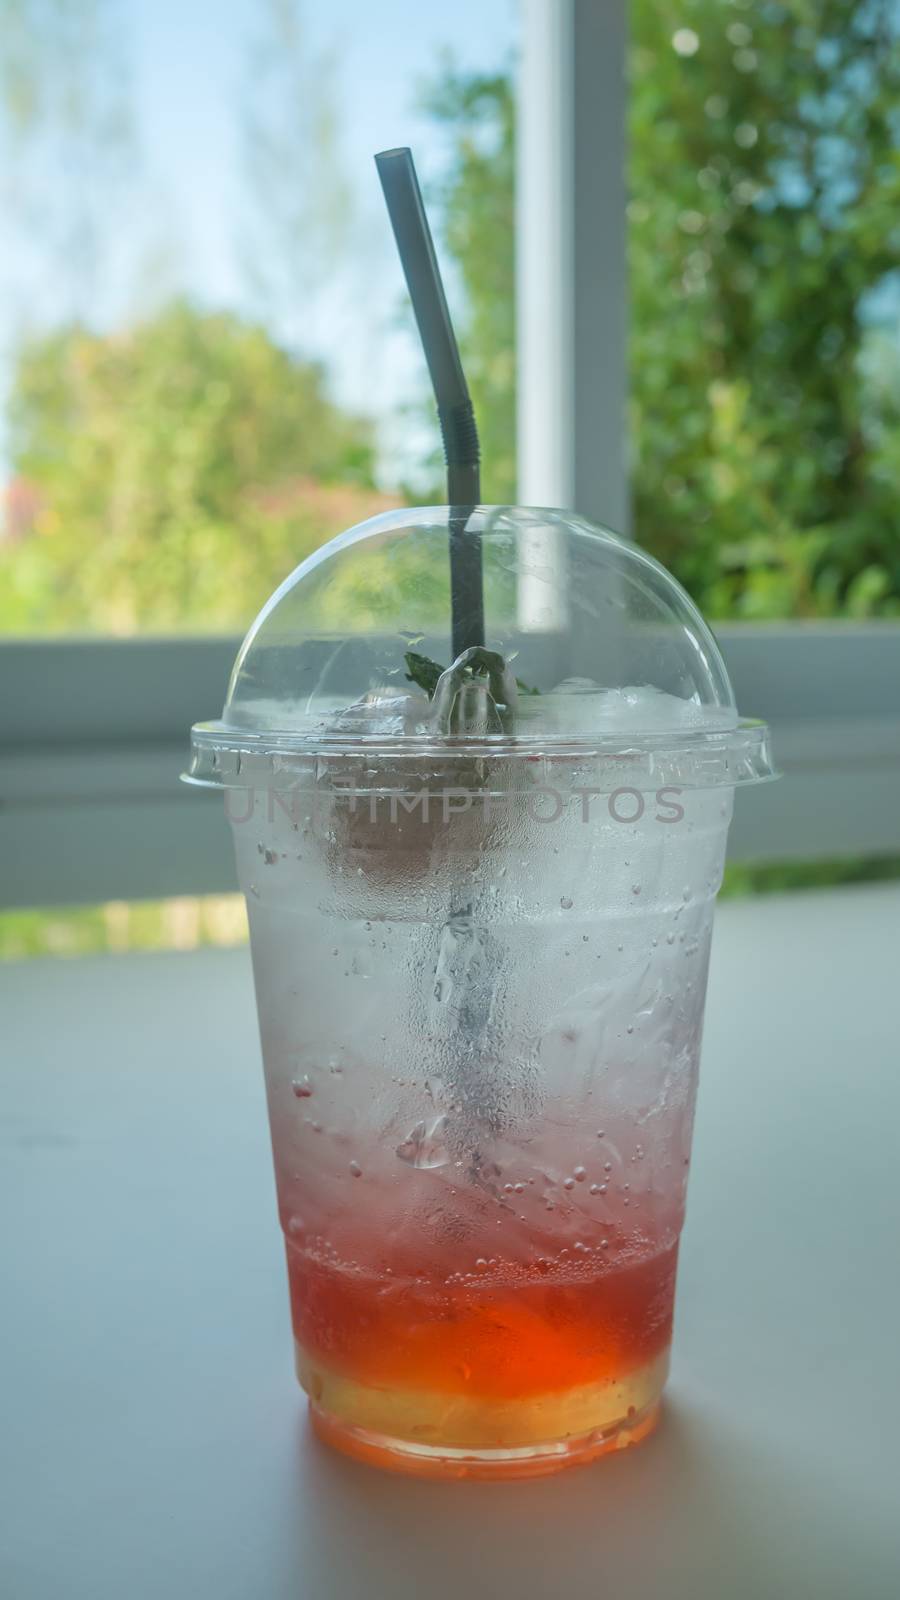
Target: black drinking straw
point(397, 172)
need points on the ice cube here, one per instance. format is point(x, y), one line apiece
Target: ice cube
point(383, 712)
point(579, 706)
point(426, 1145)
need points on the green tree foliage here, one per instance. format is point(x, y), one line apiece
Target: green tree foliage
point(766, 183)
point(765, 212)
point(170, 476)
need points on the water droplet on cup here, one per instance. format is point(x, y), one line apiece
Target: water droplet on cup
point(356, 1169)
point(302, 1088)
point(566, 903)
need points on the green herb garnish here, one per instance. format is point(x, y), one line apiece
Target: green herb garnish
point(421, 671)
point(424, 672)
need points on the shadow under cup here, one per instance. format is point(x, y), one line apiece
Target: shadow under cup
point(480, 990)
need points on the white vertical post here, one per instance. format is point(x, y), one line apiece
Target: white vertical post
point(570, 258)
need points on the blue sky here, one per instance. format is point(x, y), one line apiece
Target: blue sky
point(184, 67)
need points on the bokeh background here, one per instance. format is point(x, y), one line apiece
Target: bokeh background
point(207, 365)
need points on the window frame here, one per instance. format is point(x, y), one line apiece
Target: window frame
point(94, 735)
point(93, 732)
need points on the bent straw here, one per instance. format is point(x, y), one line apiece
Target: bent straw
point(415, 246)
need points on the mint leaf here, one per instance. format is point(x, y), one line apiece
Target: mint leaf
point(424, 672)
point(421, 671)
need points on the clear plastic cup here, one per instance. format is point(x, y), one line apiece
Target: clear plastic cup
point(480, 926)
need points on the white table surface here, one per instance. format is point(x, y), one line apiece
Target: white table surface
point(153, 1442)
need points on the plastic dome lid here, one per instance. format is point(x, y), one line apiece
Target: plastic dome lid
point(590, 646)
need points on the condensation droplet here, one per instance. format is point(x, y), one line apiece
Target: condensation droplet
point(569, 1183)
point(579, 1174)
point(356, 1169)
point(302, 1088)
point(566, 903)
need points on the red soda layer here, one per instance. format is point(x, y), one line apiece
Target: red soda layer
point(505, 1333)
